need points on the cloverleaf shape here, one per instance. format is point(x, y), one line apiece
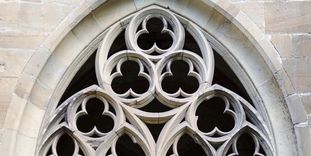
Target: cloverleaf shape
point(95, 118)
point(130, 79)
point(180, 78)
point(214, 116)
point(155, 36)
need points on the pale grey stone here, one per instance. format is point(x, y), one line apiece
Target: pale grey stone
point(288, 17)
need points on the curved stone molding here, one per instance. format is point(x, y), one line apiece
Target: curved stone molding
point(133, 33)
point(154, 65)
point(34, 97)
point(116, 61)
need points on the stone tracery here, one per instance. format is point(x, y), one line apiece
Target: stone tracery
point(155, 65)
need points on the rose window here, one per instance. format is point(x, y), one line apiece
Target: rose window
point(154, 94)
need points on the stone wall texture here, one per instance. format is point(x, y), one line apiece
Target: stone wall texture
point(26, 24)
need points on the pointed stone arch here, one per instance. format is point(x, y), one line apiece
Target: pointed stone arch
point(50, 69)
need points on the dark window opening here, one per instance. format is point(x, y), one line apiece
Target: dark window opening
point(95, 117)
point(191, 44)
point(155, 106)
point(211, 111)
point(126, 147)
point(65, 146)
point(155, 130)
point(225, 77)
point(118, 44)
point(180, 79)
point(155, 35)
point(211, 114)
point(130, 79)
point(188, 147)
point(84, 78)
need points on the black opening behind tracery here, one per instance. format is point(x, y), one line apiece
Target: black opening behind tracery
point(223, 75)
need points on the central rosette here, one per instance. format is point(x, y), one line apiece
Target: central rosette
point(155, 65)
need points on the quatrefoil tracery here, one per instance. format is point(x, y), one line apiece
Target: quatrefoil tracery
point(155, 66)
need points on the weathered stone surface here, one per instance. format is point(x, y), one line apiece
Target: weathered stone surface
point(9, 13)
point(91, 25)
point(298, 69)
point(239, 1)
point(288, 17)
point(306, 99)
point(12, 61)
point(7, 88)
point(31, 118)
point(17, 39)
point(53, 69)
point(123, 7)
point(303, 131)
point(40, 95)
point(65, 52)
point(186, 8)
point(14, 112)
point(44, 16)
point(6, 141)
point(34, 1)
point(255, 10)
point(66, 2)
point(302, 84)
point(23, 86)
point(25, 145)
point(292, 45)
point(298, 112)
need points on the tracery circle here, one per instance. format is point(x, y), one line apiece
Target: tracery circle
point(177, 33)
point(197, 69)
point(148, 29)
point(116, 60)
point(77, 108)
point(233, 108)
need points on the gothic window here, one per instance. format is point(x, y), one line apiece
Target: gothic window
point(152, 89)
